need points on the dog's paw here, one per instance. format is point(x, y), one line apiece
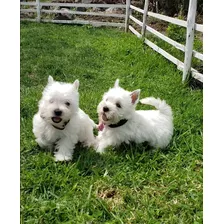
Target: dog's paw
point(89, 143)
point(61, 157)
point(100, 150)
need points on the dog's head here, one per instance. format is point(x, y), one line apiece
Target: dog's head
point(59, 102)
point(117, 104)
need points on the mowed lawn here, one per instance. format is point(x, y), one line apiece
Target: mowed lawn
point(129, 184)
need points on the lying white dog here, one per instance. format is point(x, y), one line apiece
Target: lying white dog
point(120, 122)
point(59, 120)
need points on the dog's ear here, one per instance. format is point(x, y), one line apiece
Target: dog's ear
point(116, 84)
point(76, 84)
point(50, 79)
point(135, 96)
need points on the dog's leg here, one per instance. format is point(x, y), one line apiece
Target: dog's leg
point(44, 144)
point(101, 145)
point(89, 140)
point(41, 143)
point(65, 150)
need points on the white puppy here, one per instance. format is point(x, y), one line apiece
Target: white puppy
point(59, 120)
point(120, 122)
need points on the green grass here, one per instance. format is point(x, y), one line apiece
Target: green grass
point(129, 184)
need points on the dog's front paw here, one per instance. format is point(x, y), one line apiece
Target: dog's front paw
point(100, 150)
point(61, 157)
point(89, 143)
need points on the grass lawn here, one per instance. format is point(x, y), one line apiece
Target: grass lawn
point(129, 184)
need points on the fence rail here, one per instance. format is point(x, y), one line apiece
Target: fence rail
point(75, 5)
point(40, 11)
point(165, 38)
point(179, 22)
point(85, 13)
point(190, 25)
point(180, 64)
point(82, 22)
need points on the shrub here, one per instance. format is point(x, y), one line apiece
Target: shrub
point(176, 32)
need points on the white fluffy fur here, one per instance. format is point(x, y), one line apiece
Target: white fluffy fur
point(63, 97)
point(153, 126)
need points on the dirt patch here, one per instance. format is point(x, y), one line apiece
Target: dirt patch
point(111, 196)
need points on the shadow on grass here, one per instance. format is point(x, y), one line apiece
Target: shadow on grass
point(195, 84)
point(89, 162)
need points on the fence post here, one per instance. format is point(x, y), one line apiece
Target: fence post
point(38, 10)
point(189, 38)
point(128, 3)
point(145, 17)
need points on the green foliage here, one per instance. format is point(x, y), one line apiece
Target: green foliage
point(198, 44)
point(129, 184)
point(176, 33)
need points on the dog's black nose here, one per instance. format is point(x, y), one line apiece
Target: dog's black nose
point(57, 112)
point(105, 109)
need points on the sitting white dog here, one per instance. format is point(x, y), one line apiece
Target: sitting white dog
point(120, 122)
point(60, 122)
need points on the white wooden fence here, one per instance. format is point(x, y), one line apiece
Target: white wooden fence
point(39, 10)
point(190, 25)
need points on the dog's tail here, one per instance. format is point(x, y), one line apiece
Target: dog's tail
point(159, 104)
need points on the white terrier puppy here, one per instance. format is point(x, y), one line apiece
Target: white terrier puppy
point(60, 122)
point(120, 122)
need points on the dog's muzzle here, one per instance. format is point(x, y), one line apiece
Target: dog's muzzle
point(104, 117)
point(56, 119)
point(63, 126)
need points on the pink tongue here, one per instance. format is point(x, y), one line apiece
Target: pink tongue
point(101, 127)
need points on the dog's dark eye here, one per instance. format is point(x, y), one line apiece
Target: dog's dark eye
point(118, 105)
point(67, 104)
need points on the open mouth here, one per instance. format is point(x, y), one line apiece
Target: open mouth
point(56, 119)
point(104, 117)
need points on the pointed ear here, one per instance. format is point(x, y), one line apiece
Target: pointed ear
point(116, 84)
point(135, 96)
point(76, 84)
point(50, 79)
